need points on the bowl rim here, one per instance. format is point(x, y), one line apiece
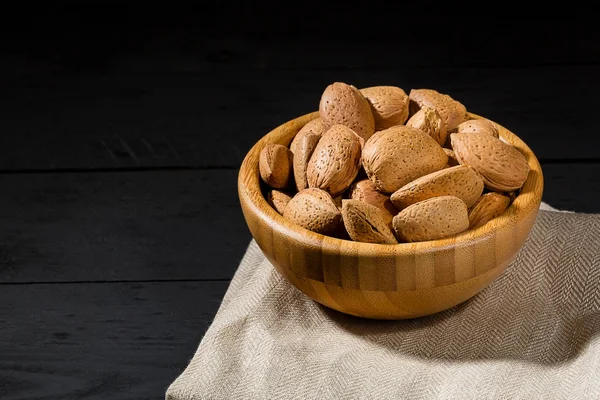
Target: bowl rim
point(252, 200)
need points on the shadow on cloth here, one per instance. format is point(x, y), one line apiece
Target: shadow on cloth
point(461, 334)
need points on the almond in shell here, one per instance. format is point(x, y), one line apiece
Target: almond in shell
point(488, 207)
point(429, 121)
point(316, 127)
point(451, 111)
point(335, 161)
point(389, 105)
point(314, 210)
point(278, 200)
point(432, 219)
point(365, 191)
point(366, 223)
point(460, 181)
point(303, 151)
point(344, 104)
point(479, 126)
point(399, 155)
point(502, 167)
point(275, 165)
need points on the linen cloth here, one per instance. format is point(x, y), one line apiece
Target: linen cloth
point(534, 333)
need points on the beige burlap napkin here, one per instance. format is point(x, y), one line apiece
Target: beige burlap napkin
point(533, 334)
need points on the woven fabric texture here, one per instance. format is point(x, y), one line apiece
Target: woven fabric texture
point(534, 333)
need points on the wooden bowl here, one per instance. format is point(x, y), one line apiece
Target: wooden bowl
point(387, 281)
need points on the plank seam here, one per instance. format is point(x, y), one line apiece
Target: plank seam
point(581, 161)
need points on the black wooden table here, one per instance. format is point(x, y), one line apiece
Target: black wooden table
point(120, 222)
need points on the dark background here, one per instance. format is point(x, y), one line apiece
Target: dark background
point(122, 129)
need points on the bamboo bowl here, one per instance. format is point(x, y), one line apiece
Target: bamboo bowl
point(387, 281)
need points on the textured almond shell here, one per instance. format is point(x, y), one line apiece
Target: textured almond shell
point(303, 150)
point(502, 167)
point(488, 207)
point(275, 162)
point(278, 200)
point(461, 181)
point(479, 126)
point(451, 111)
point(389, 105)
point(429, 121)
point(335, 161)
point(344, 104)
point(314, 210)
point(366, 223)
point(399, 155)
point(315, 127)
point(365, 190)
point(431, 219)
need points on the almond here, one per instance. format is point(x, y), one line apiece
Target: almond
point(452, 161)
point(488, 207)
point(429, 121)
point(399, 155)
point(502, 167)
point(431, 219)
point(278, 200)
point(389, 105)
point(314, 210)
point(274, 164)
point(479, 126)
point(451, 111)
point(335, 161)
point(366, 223)
point(344, 104)
point(315, 127)
point(364, 190)
point(460, 181)
point(303, 150)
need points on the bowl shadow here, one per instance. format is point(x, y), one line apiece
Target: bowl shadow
point(467, 333)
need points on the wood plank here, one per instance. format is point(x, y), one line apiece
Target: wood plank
point(120, 226)
point(460, 47)
point(98, 341)
point(113, 120)
point(162, 225)
point(246, 35)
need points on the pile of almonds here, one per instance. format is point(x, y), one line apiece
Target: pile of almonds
point(379, 166)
